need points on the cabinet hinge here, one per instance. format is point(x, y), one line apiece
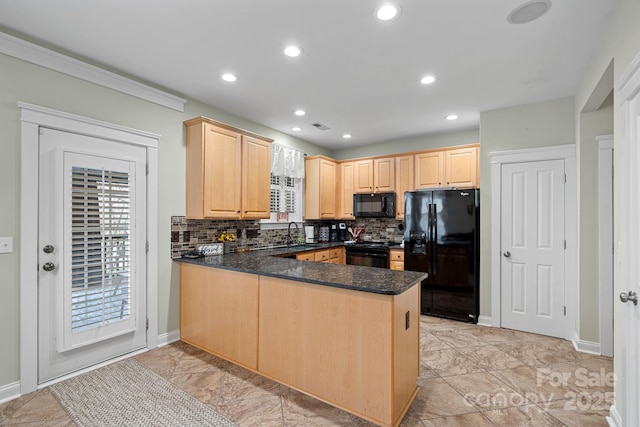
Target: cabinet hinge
point(565, 178)
point(146, 169)
point(565, 310)
point(146, 246)
point(147, 324)
point(565, 244)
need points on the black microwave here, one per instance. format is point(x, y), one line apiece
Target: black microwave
point(372, 205)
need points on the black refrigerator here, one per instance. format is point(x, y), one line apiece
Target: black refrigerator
point(441, 237)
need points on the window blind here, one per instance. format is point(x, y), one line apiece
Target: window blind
point(100, 247)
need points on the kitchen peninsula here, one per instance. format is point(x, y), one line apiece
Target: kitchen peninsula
point(347, 335)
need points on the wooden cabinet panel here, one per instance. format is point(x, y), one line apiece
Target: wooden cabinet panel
point(321, 192)
point(384, 176)
point(404, 181)
point(306, 256)
point(256, 190)
point(222, 165)
point(227, 172)
point(311, 337)
point(461, 167)
point(363, 176)
point(396, 259)
point(429, 170)
point(219, 312)
point(346, 190)
point(322, 255)
point(447, 168)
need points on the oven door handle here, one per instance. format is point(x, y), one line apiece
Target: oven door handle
point(367, 254)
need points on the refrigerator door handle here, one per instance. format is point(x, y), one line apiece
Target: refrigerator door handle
point(431, 211)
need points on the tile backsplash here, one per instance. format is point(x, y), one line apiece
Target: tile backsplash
point(186, 234)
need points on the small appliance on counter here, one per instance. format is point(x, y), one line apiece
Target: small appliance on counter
point(309, 232)
point(342, 232)
point(334, 232)
point(323, 236)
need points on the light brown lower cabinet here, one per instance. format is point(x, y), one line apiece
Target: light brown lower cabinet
point(355, 350)
point(219, 312)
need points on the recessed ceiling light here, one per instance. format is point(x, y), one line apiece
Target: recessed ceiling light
point(427, 80)
point(228, 77)
point(292, 51)
point(296, 129)
point(452, 117)
point(529, 11)
point(346, 136)
point(299, 112)
point(387, 12)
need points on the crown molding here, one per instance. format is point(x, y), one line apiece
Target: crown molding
point(38, 55)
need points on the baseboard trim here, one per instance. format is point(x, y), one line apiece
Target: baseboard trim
point(484, 321)
point(9, 392)
point(169, 337)
point(585, 346)
point(614, 418)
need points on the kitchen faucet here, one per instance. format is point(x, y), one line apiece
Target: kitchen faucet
point(289, 238)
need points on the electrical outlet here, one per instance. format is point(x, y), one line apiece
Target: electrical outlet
point(6, 245)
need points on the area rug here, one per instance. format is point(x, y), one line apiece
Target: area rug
point(127, 393)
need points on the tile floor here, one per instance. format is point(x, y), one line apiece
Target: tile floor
point(469, 376)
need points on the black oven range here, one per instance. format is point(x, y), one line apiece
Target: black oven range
point(368, 254)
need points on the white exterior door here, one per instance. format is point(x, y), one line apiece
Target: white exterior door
point(532, 247)
point(91, 255)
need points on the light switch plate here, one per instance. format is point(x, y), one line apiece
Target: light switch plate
point(6, 245)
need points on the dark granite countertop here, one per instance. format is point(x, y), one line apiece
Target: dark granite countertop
point(270, 262)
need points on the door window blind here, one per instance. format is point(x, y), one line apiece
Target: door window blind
point(100, 246)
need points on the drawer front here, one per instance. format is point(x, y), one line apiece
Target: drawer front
point(306, 256)
point(396, 265)
point(334, 253)
point(322, 255)
point(396, 255)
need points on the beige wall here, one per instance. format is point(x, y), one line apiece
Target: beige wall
point(592, 124)
point(527, 126)
point(620, 44)
point(415, 143)
point(21, 81)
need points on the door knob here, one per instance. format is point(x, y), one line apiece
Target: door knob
point(631, 296)
point(507, 254)
point(47, 249)
point(49, 266)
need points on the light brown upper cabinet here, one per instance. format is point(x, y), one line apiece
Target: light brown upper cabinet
point(384, 177)
point(321, 189)
point(345, 190)
point(429, 169)
point(363, 176)
point(227, 172)
point(461, 167)
point(374, 175)
point(447, 168)
point(404, 181)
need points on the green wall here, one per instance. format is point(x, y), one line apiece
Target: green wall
point(592, 124)
point(620, 44)
point(527, 126)
point(21, 81)
point(415, 143)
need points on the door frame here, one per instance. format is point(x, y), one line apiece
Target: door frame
point(605, 242)
point(558, 152)
point(626, 367)
point(31, 118)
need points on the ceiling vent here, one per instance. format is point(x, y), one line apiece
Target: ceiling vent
point(320, 126)
point(529, 11)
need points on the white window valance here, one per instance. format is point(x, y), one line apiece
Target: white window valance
point(287, 161)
